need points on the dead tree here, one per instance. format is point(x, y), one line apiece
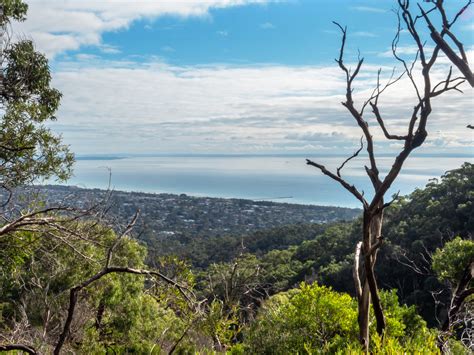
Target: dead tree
point(461, 293)
point(373, 209)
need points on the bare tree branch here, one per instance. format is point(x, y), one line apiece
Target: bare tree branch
point(376, 112)
point(351, 188)
point(74, 292)
point(356, 153)
point(25, 348)
point(459, 61)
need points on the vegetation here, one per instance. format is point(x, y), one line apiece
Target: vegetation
point(73, 281)
point(317, 320)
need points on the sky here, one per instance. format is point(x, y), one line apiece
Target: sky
point(232, 76)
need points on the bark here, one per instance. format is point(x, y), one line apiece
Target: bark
point(376, 240)
point(100, 314)
point(24, 348)
point(372, 226)
point(363, 317)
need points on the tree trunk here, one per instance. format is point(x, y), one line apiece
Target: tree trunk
point(372, 227)
point(370, 259)
point(363, 317)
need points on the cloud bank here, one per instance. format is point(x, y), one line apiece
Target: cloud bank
point(111, 107)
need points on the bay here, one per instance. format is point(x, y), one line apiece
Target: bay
point(274, 178)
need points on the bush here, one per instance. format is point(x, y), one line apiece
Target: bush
point(317, 320)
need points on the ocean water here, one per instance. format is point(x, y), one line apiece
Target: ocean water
point(275, 178)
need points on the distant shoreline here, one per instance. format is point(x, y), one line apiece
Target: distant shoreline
point(263, 155)
point(193, 196)
point(254, 178)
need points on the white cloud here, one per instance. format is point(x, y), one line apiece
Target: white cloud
point(364, 34)
point(223, 33)
point(167, 49)
point(141, 107)
point(108, 49)
point(410, 50)
point(86, 57)
point(369, 9)
point(468, 26)
point(60, 25)
point(267, 26)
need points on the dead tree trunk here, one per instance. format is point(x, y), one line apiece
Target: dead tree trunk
point(461, 293)
point(372, 227)
point(367, 249)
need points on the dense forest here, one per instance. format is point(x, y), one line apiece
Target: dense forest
point(281, 290)
point(74, 279)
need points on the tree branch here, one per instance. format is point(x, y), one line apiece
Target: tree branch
point(356, 153)
point(376, 112)
point(460, 62)
point(349, 104)
point(351, 188)
point(355, 270)
point(25, 348)
point(74, 292)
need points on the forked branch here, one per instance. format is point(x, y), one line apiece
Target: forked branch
point(351, 188)
point(356, 153)
point(106, 270)
point(460, 61)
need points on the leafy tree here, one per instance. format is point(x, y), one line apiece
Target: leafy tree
point(28, 149)
point(416, 226)
point(317, 320)
point(123, 312)
point(450, 262)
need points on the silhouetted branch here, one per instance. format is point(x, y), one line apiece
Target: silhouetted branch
point(25, 348)
point(380, 121)
point(356, 153)
point(459, 61)
point(351, 188)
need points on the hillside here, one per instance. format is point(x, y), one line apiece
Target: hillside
point(168, 215)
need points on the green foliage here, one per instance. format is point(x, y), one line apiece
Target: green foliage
point(119, 313)
point(28, 149)
point(27, 81)
point(403, 323)
point(14, 9)
point(317, 320)
point(441, 208)
point(280, 270)
point(415, 226)
point(313, 317)
point(220, 323)
point(234, 283)
point(451, 261)
point(203, 251)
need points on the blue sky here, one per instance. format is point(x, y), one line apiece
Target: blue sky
point(287, 32)
point(227, 76)
point(293, 33)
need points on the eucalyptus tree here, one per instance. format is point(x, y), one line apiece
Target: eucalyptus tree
point(30, 152)
point(28, 149)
